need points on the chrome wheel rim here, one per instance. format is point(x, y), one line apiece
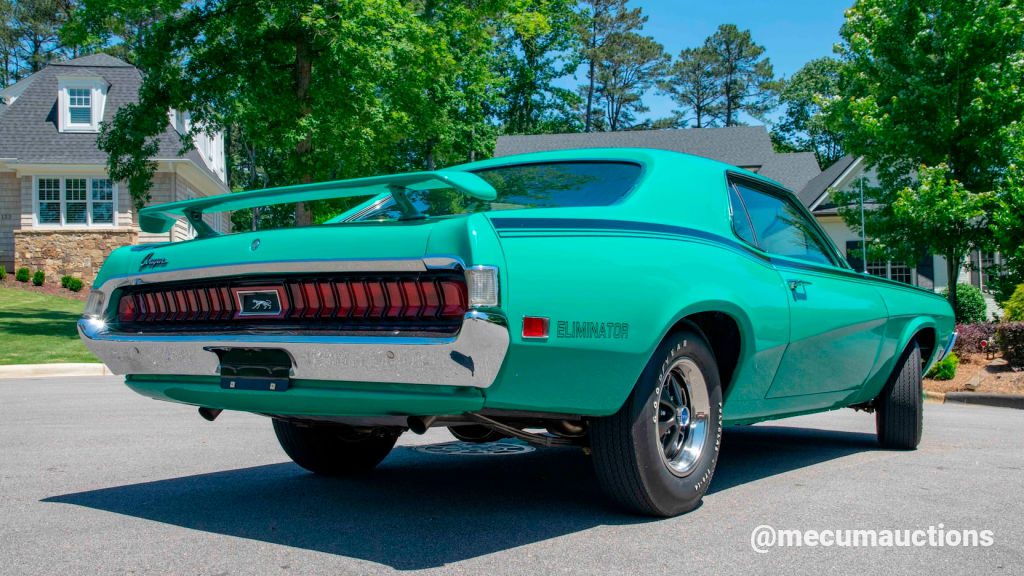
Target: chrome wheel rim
point(682, 414)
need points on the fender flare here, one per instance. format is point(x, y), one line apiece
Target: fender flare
point(909, 332)
point(722, 306)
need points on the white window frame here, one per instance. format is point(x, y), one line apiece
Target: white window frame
point(98, 97)
point(89, 224)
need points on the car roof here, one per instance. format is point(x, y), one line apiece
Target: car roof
point(648, 157)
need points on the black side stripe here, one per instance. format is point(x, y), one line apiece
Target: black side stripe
point(619, 225)
point(584, 224)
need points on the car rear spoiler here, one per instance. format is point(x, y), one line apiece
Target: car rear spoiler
point(161, 218)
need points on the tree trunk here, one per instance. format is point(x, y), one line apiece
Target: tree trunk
point(952, 272)
point(590, 98)
point(590, 75)
point(303, 77)
point(429, 156)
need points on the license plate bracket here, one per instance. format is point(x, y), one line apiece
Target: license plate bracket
point(266, 369)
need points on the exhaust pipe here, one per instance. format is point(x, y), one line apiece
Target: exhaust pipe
point(420, 424)
point(209, 414)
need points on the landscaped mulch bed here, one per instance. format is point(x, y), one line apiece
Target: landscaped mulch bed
point(51, 288)
point(987, 376)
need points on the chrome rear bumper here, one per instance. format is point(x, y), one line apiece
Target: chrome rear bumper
point(471, 358)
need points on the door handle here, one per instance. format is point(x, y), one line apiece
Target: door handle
point(794, 284)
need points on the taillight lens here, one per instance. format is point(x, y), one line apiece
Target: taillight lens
point(94, 305)
point(126, 309)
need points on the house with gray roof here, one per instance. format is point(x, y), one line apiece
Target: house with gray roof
point(59, 210)
point(848, 174)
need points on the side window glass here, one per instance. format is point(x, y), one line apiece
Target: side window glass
point(780, 228)
point(740, 220)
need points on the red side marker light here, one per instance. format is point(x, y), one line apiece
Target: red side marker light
point(535, 327)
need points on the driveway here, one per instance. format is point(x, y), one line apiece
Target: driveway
point(97, 480)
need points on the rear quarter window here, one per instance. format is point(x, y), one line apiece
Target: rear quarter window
point(522, 186)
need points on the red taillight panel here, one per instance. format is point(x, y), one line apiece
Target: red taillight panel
point(422, 301)
point(453, 298)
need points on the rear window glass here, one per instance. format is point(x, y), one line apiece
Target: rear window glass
point(551, 185)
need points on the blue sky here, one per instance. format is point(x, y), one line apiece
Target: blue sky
point(792, 31)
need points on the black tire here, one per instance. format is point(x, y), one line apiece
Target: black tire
point(333, 450)
point(627, 453)
point(899, 409)
point(476, 434)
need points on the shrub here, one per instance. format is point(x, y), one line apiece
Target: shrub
point(1011, 339)
point(74, 284)
point(945, 369)
point(1014, 307)
point(64, 281)
point(971, 335)
point(3, 272)
point(21, 275)
point(38, 278)
point(970, 304)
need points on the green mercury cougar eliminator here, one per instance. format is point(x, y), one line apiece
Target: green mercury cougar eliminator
point(627, 301)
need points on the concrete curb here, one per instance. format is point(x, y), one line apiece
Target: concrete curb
point(938, 397)
point(998, 400)
point(52, 370)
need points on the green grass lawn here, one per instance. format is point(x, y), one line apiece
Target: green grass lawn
point(37, 328)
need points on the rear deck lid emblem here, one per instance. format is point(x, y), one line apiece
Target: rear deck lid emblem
point(261, 302)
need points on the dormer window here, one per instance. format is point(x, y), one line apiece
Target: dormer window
point(80, 106)
point(81, 102)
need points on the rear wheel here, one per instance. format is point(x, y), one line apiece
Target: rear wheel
point(899, 411)
point(657, 454)
point(334, 450)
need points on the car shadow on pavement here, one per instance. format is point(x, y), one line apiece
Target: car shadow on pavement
point(422, 510)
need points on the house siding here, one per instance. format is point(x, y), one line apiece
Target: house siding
point(35, 146)
point(10, 217)
point(79, 251)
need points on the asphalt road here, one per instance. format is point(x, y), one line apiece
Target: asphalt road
point(97, 480)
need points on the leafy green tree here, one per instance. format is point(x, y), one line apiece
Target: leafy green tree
point(326, 91)
point(537, 44)
point(1008, 218)
point(746, 78)
point(630, 65)
point(115, 26)
point(693, 83)
point(8, 44)
point(935, 215)
point(933, 83)
point(29, 36)
point(802, 126)
point(602, 21)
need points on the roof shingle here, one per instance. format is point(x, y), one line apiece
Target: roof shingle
point(812, 191)
point(30, 129)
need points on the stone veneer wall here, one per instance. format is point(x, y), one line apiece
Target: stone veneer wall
point(78, 253)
